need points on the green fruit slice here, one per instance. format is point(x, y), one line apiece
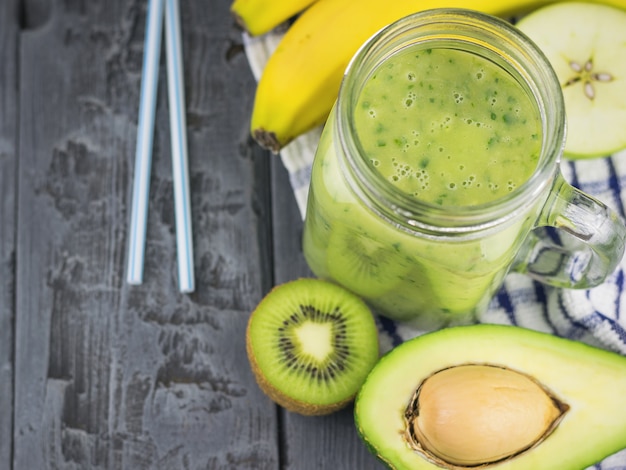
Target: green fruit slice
point(311, 344)
point(586, 45)
point(493, 396)
point(365, 263)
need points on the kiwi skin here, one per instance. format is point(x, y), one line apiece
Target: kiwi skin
point(290, 404)
point(302, 407)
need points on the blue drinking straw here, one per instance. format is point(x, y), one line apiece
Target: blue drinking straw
point(180, 164)
point(143, 158)
point(145, 132)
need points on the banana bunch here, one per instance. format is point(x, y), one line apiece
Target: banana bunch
point(258, 17)
point(301, 80)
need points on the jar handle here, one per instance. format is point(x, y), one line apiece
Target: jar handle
point(586, 246)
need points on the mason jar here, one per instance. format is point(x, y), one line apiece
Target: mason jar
point(439, 165)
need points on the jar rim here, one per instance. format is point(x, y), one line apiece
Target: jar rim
point(465, 28)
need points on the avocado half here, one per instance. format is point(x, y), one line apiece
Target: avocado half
point(493, 396)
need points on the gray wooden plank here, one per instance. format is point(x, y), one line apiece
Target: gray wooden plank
point(8, 171)
point(309, 442)
point(289, 262)
point(113, 376)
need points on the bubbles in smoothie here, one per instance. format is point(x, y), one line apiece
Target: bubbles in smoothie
point(401, 170)
point(423, 178)
point(493, 98)
point(479, 124)
point(457, 121)
point(410, 178)
point(410, 99)
point(445, 123)
point(415, 135)
point(469, 181)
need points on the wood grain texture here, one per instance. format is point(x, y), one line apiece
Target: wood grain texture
point(8, 188)
point(113, 376)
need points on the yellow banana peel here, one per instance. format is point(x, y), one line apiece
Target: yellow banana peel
point(258, 17)
point(301, 79)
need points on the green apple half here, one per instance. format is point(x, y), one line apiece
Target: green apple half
point(586, 45)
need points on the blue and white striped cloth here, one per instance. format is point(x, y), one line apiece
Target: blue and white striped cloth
point(592, 316)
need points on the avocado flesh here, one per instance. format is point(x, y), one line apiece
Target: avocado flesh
point(591, 381)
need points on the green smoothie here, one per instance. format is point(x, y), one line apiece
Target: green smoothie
point(446, 127)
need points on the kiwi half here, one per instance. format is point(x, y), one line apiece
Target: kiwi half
point(311, 344)
point(367, 265)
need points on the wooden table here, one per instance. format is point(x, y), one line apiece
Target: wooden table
point(97, 374)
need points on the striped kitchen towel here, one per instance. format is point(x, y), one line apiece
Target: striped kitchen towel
point(593, 316)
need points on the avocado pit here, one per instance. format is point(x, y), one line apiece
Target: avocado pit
point(479, 414)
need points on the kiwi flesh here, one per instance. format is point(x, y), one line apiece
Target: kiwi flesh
point(368, 268)
point(311, 344)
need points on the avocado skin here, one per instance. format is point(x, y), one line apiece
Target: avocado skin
point(592, 381)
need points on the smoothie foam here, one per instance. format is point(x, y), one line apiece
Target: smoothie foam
point(448, 127)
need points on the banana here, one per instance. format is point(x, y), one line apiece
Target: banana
point(258, 17)
point(301, 79)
